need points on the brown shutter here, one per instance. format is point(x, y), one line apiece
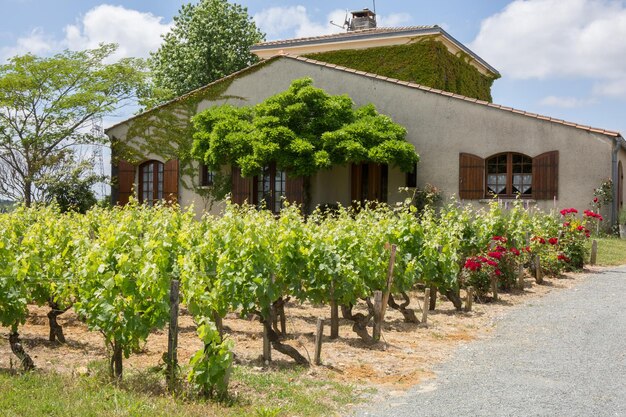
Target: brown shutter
point(294, 189)
point(471, 177)
point(241, 187)
point(170, 181)
point(125, 182)
point(546, 176)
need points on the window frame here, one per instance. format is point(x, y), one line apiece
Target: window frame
point(207, 176)
point(157, 182)
point(509, 176)
point(273, 174)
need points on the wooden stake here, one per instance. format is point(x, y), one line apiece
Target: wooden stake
point(385, 300)
point(494, 288)
point(432, 300)
point(520, 277)
point(538, 271)
point(172, 337)
point(334, 320)
point(425, 307)
point(470, 299)
point(378, 312)
point(318, 341)
point(594, 252)
point(267, 347)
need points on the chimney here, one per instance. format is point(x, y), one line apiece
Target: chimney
point(362, 19)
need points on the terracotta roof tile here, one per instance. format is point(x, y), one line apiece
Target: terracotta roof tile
point(468, 99)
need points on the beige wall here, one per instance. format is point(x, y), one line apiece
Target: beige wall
point(440, 127)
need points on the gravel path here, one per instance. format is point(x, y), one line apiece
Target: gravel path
point(561, 355)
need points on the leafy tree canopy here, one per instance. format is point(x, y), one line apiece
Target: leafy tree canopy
point(303, 130)
point(47, 107)
point(209, 40)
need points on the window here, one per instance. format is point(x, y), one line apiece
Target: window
point(270, 188)
point(509, 174)
point(369, 182)
point(206, 176)
point(411, 177)
point(151, 175)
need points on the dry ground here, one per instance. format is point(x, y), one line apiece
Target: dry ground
point(404, 358)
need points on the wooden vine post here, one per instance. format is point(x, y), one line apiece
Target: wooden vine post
point(425, 308)
point(267, 347)
point(538, 271)
point(318, 341)
point(334, 313)
point(470, 298)
point(520, 277)
point(494, 288)
point(172, 337)
point(382, 298)
point(594, 252)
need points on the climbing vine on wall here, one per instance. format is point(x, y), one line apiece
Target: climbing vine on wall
point(427, 62)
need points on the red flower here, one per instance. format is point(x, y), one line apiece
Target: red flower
point(483, 259)
point(498, 272)
point(566, 224)
point(553, 241)
point(542, 241)
point(595, 199)
point(567, 211)
point(499, 239)
point(590, 213)
point(563, 258)
point(500, 249)
point(492, 263)
point(580, 228)
point(515, 251)
point(527, 249)
point(495, 255)
point(472, 265)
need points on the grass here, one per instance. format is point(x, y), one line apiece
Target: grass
point(267, 393)
point(611, 251)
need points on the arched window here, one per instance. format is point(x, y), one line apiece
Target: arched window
point(509, 174)
point(151, 176)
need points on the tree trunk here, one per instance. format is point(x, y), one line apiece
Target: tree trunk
point(346, 311)
point(17, 348)
point(284, 349)
point(453, 296)
point(28, 190)
point(56, 330)
point(116, 362)
point(278, 313)
point(219, 324)
point(408, 313)
point(433, 297)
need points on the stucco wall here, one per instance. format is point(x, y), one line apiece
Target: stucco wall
point(440, 127)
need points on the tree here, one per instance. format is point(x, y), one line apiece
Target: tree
point(303, 130)
point(208, 41)
point(74, 190)
point(46, 108)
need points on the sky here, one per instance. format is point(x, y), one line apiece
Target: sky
point(561, 58)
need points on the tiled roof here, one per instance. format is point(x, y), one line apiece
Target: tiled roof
point(343, 36)
point(455, 96)
point(381, 78)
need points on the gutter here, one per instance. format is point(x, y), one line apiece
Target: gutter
point(618, 144)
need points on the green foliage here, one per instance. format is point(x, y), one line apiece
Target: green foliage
point(47, 105)
point(209, 40)
point(212, 365)
point(426, 62)
point(73, 191)
point(303, 130)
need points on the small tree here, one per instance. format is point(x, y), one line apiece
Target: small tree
point(303, 130)
point(46, 108)
point(208, 41)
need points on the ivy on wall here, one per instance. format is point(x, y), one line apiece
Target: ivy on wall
point(427, 62)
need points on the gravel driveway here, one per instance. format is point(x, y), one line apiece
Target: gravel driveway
point(561, 355)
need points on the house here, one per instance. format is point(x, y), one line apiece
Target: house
point(420, 76)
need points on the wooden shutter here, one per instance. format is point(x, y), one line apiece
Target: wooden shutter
point(170, 181)
point(374, 182)
point(471, 177)
point(546, 176)
point(125, 182)
point(241, 187)
point(294, 189)
point(356, 182)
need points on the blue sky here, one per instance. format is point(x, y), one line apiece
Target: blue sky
point(562, 58)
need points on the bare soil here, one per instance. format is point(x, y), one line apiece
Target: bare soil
point(404, 357)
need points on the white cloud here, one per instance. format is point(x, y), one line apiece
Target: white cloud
point(555, 38)
point(295, 22)
point(136, 33)
point(566, 102)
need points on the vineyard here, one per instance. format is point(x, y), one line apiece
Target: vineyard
point(115, 269)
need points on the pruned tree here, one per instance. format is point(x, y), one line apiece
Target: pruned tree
point(209, 40)
point(46, 108)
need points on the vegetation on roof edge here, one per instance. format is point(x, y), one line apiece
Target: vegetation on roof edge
point(427, 62)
